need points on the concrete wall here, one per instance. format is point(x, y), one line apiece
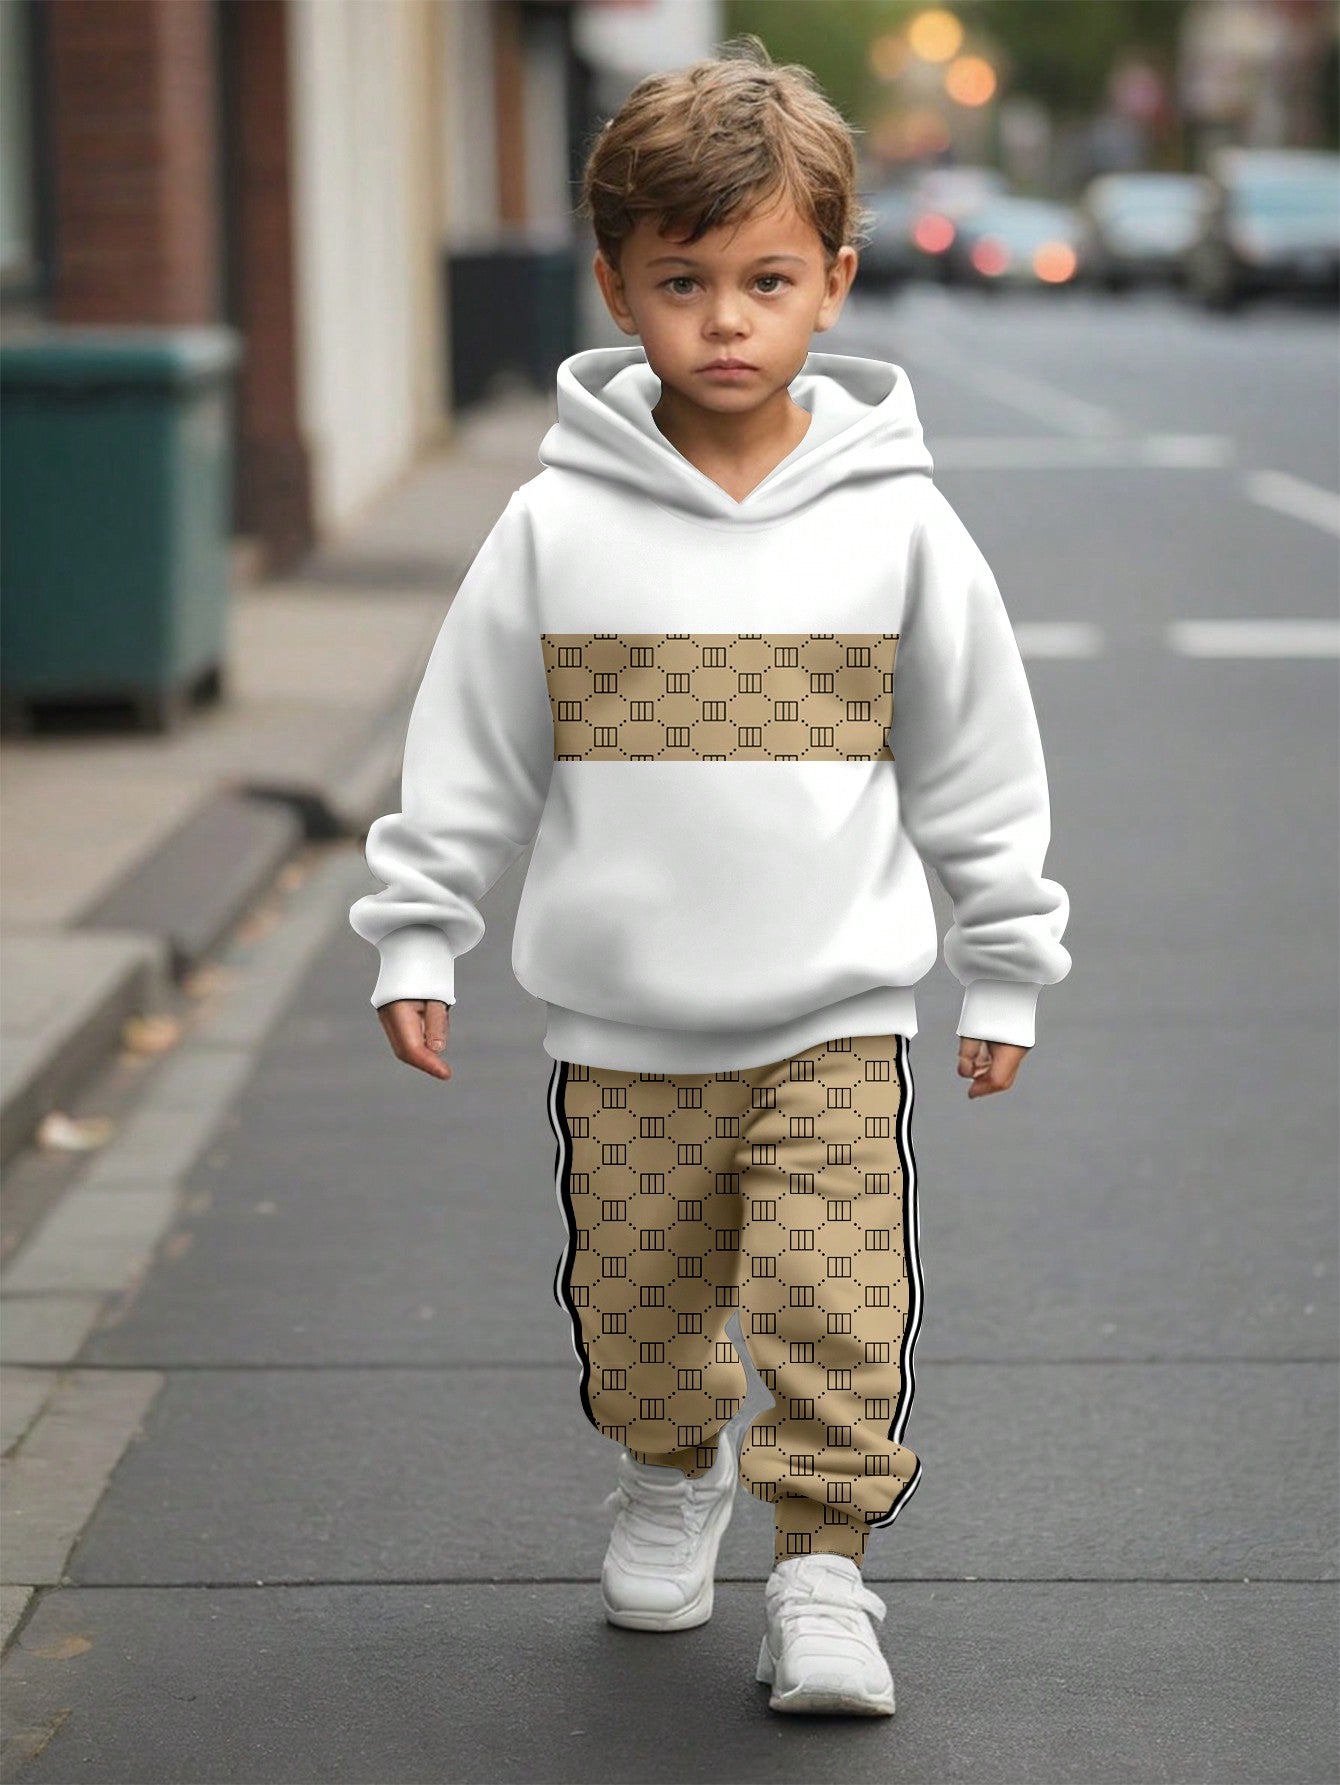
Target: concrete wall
point(367, 193)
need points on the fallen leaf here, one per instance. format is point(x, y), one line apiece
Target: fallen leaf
point(64, 1650)
point(59, 1133)
point(150, 1034)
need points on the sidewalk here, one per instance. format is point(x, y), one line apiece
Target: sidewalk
point(127, 858)
point(129, 861)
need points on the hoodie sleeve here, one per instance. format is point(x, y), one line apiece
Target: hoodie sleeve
point(478, 758)
point(972, 780)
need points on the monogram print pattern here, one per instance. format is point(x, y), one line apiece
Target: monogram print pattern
point(786, 1192)
point(720, 697)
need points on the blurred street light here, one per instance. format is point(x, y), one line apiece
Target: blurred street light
point(935, 35)
point(970, 80)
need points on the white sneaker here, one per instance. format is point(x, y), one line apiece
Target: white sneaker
point(820, 1651)
point(657, 1573)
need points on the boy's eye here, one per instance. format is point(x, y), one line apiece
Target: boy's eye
point(680, 279)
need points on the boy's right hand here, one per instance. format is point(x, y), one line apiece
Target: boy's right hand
point(417, 1030)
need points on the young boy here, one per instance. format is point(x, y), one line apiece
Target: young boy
point(735, 666)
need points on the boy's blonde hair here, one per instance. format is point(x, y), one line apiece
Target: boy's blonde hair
point(701, 146)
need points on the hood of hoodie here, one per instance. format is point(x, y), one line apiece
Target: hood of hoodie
point(864, 425)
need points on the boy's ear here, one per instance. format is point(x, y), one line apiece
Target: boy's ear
point(610, 282)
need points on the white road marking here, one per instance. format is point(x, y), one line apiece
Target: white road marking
point(1292, 496)
point(1255, 638)
point(1031, 452)
point(1058, 638)
point(1190, 452)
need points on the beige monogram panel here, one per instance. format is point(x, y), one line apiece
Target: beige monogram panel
point(786, 1191)
point(720, 696)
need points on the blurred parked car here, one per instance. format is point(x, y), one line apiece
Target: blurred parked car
point(1136, 227)
point(889, 257)
point(1271, 222)
point(1017, 241)
point(944, 198)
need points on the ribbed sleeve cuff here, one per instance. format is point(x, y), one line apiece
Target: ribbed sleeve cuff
point(416, 962)
point(1000, 1010)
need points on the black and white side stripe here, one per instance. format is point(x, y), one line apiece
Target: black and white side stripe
point(912, 1251)
point(558, 1080)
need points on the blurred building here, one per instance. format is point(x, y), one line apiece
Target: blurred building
point(1260, 73)
point(375, 194)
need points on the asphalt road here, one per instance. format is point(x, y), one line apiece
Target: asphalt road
point(359, 1538)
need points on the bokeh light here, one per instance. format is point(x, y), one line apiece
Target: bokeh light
point(970, 80)
point(935, 35)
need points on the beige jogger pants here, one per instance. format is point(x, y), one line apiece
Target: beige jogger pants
point(786, 1191)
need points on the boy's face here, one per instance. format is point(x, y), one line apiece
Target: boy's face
point(754, 291)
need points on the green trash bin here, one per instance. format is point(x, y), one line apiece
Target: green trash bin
point(116, 523)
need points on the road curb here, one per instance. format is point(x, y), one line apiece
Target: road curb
point(159, 922)
point(115, 974)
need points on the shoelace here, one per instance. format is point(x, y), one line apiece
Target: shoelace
point(798, 1599)
point(670, 1517)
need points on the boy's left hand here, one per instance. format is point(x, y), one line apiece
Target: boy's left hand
point(992, 1065)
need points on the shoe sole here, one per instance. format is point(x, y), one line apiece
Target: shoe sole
point(818, 1700)
point(697, 1611)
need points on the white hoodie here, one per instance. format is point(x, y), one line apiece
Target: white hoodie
point(734, 731)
